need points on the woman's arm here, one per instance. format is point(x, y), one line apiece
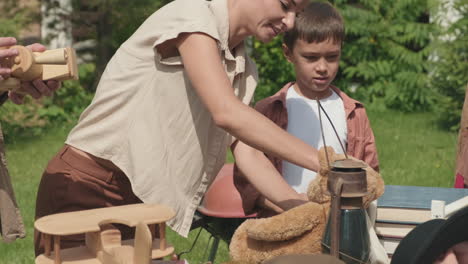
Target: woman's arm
point(203, 65)
point(259, 171)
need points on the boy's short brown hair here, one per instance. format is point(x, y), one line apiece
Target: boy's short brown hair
point(318, 22)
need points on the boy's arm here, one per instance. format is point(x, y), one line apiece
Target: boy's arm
point(261, 173)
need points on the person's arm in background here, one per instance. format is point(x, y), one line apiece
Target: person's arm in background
point(36, 88)
point(458, 254)
point(204, 68)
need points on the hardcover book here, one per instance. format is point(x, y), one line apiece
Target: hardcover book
point(395, 231)
point(412, 204)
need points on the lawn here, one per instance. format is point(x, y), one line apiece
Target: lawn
point(412, 151)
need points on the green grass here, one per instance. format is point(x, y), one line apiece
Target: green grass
point(27, 159)
point(412, 151)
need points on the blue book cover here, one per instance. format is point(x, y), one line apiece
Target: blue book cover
point(418, 197)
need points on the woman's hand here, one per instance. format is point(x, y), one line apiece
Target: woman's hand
point(277, 195)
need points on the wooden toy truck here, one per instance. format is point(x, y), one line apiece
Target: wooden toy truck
point(103, 240)
point(56, 64)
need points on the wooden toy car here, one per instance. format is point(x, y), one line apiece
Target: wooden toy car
point(103, 240)
point(56, 64)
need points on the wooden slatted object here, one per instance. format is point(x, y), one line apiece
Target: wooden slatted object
point(56, 64)
point(103, 240)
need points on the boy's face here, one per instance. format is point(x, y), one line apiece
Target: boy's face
point(315, 64)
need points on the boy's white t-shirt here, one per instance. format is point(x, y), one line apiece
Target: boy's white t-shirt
point(303, 122)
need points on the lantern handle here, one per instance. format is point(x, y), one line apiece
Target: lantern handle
point(320, 107)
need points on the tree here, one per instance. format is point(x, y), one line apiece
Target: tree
point(113, 21)
point(15, 17)
point(273, 69)
point(108, 22)
point(384, 57)
point(56, 26)
point(386, 50)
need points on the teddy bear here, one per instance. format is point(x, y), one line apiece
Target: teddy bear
point(298, 230)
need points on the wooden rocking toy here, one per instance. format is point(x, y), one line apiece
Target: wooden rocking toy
point(103, 244)
point(57, 64)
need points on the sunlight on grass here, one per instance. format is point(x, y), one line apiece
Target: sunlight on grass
point(26, 161)
point(412, 151)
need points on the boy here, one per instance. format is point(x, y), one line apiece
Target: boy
point(313, 46)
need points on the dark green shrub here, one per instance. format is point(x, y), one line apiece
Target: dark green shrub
point(65, 106)
point(71, 99)
point(273, 69)
point(386, 50)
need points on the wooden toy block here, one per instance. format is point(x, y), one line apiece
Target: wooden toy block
point(56, 64)
point(103, 243)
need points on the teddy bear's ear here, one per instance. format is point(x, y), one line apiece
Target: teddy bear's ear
point(325, 156)
point(375, 183)
point(317, 190)
point(323, 153)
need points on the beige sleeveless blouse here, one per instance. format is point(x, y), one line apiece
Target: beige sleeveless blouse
point(148, 120)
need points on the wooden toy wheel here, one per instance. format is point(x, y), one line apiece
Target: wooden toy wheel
point(23, 66)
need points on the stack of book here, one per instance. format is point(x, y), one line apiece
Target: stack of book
point(402, 208)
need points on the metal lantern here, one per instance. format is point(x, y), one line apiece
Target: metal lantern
point(346, 235)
